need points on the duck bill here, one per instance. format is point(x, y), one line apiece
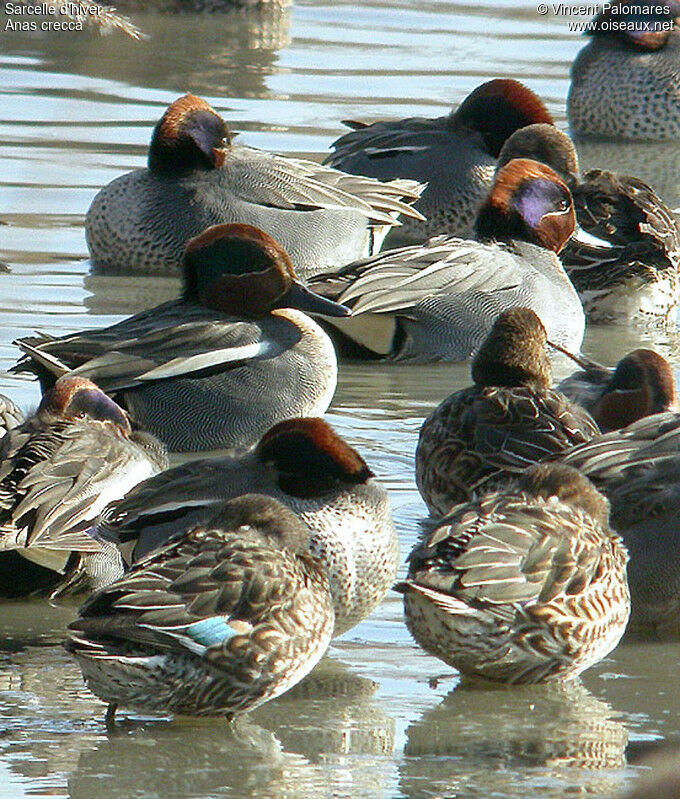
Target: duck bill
point(302, 299)
point(585, 363)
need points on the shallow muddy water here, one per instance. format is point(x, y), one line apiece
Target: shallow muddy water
point(378, 718)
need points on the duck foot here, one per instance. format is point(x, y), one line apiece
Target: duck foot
point(110, 717)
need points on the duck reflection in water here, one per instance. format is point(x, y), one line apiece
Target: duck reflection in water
point(478, 740)
point(327, 737)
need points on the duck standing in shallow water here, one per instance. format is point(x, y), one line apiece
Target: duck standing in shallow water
point(642, 384)
point(630, 270)
point(222, 364)
point(626, 82)
point(455, 155)
point(58, 470)
point(523, 585)
point(438, 301)
point(510, 419)
point(197, 177)
point(302, 463)
point(231, 613)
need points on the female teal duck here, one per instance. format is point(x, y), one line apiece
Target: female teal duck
point(523, 585)
point(455, 155)
point(438, 301)
point(58, 470)
point(508, 420)
point(642, 384)
point(197, 177)
point(637, 469)
point(302, 463)
point(222, 364)
point(626, 266)
point(226, 616)
point(626, 82)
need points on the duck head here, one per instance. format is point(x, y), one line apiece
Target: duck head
point(642, 384)
point(242, 271)
point(569, 486)
point(190, 135)
point(527, 201)
point(73, 397)
point(265, 516)
point(310, 458)
point(497, 108)
point(545, 144)
point(514, 352)
point(641, 26)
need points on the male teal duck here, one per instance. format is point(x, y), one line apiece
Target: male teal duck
point(229, 614)
point(438, 301)
point(523, 585)
point(626, 266)
point(637, 469)
point(197, 177)
point(219, 366)
point(508, 420)
point(455, 155)
point(58, 470)
point(642, 384)
point(626, 82)
point(307, 466)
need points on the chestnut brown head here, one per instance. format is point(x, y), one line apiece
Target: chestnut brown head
point(73, 397)
point(527, 201)
point(310, 458)
point(190, 135)
point(497, 109)
point(642, 384)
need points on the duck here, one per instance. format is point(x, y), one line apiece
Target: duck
point(437, 302)
point(641, 384)
point(197, 177)
point(625, 83)
point(522, 585)
point(217, 367)
point(227, 615)
point(454, 154)
point(624, 257)
point(637, 469)
point(307, 466)
point(58, 469)
point(484, 435)
point(11, 415)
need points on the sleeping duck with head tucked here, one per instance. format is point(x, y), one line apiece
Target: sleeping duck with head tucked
point(217, 367)
point(437, 302)
point(198, 176)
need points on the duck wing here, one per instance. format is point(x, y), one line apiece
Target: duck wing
point(398, 281)
point(212, 592)
point(636, 468)
point(173, 340)
point(56, 481)
point(296, 184)
point(392, 140)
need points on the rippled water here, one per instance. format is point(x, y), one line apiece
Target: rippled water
point(378, 718)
